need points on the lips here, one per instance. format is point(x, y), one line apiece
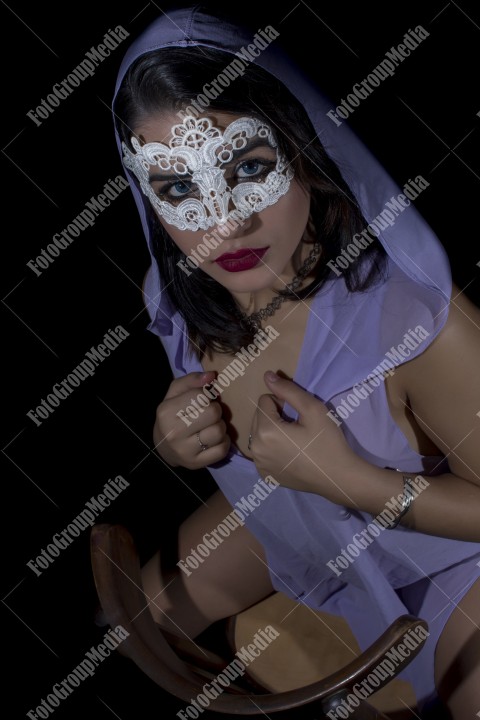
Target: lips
point(244, 259)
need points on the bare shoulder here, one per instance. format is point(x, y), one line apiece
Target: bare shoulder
point(457, 344)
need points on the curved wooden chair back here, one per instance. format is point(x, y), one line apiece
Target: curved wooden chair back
point(116, 570)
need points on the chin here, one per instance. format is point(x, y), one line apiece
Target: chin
point(249, 281)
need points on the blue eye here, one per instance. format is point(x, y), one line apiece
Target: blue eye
point(175, 191)
point(250, 168)
point(254, 168)
point(179, 188)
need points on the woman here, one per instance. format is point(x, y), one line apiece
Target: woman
point(280, 245)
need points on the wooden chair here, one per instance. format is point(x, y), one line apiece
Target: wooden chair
point(181, 669)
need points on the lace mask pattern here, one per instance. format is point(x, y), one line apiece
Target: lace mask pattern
point(195, 154)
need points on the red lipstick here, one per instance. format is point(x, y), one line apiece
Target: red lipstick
point(244, 259)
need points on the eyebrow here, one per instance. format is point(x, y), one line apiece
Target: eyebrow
point(255, 143)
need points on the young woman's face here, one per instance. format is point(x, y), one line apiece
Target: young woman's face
point(265, 241)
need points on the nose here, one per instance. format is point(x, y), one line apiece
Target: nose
point(234, 226)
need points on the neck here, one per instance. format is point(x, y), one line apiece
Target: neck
point(254, 317)
point(252, 302)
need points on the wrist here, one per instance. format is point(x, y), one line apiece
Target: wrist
point(363, 486)
point(340, 482)
point(405, 500)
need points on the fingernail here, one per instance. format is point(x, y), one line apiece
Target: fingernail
point(271, 376)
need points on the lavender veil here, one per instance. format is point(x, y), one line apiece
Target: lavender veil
point(409, 242)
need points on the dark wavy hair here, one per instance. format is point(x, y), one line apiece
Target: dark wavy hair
point(170, 79)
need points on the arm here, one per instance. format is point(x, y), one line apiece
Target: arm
point(443, 388)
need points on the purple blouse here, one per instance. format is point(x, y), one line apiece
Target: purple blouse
point(347, 337)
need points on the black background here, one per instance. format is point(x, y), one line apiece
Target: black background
point(104, 428)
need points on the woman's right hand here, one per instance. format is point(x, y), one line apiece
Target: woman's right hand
point(175, 433)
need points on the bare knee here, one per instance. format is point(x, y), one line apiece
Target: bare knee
point(218, 574)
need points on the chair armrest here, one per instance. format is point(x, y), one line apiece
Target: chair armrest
point(117, 576)
point(388, 648)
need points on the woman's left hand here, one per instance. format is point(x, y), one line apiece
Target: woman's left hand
point(310, 454)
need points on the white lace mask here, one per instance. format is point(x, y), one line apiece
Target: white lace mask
point(194, 158)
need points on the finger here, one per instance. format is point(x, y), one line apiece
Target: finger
point(203, 418)
point(267, 407)
point(211, 435)
point(191, 381)
point(286, 390)
point(212, 454)
point(266, 414)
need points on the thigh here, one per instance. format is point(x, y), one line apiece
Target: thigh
point(235, 572)
point(457, 657)
point(209, 584)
